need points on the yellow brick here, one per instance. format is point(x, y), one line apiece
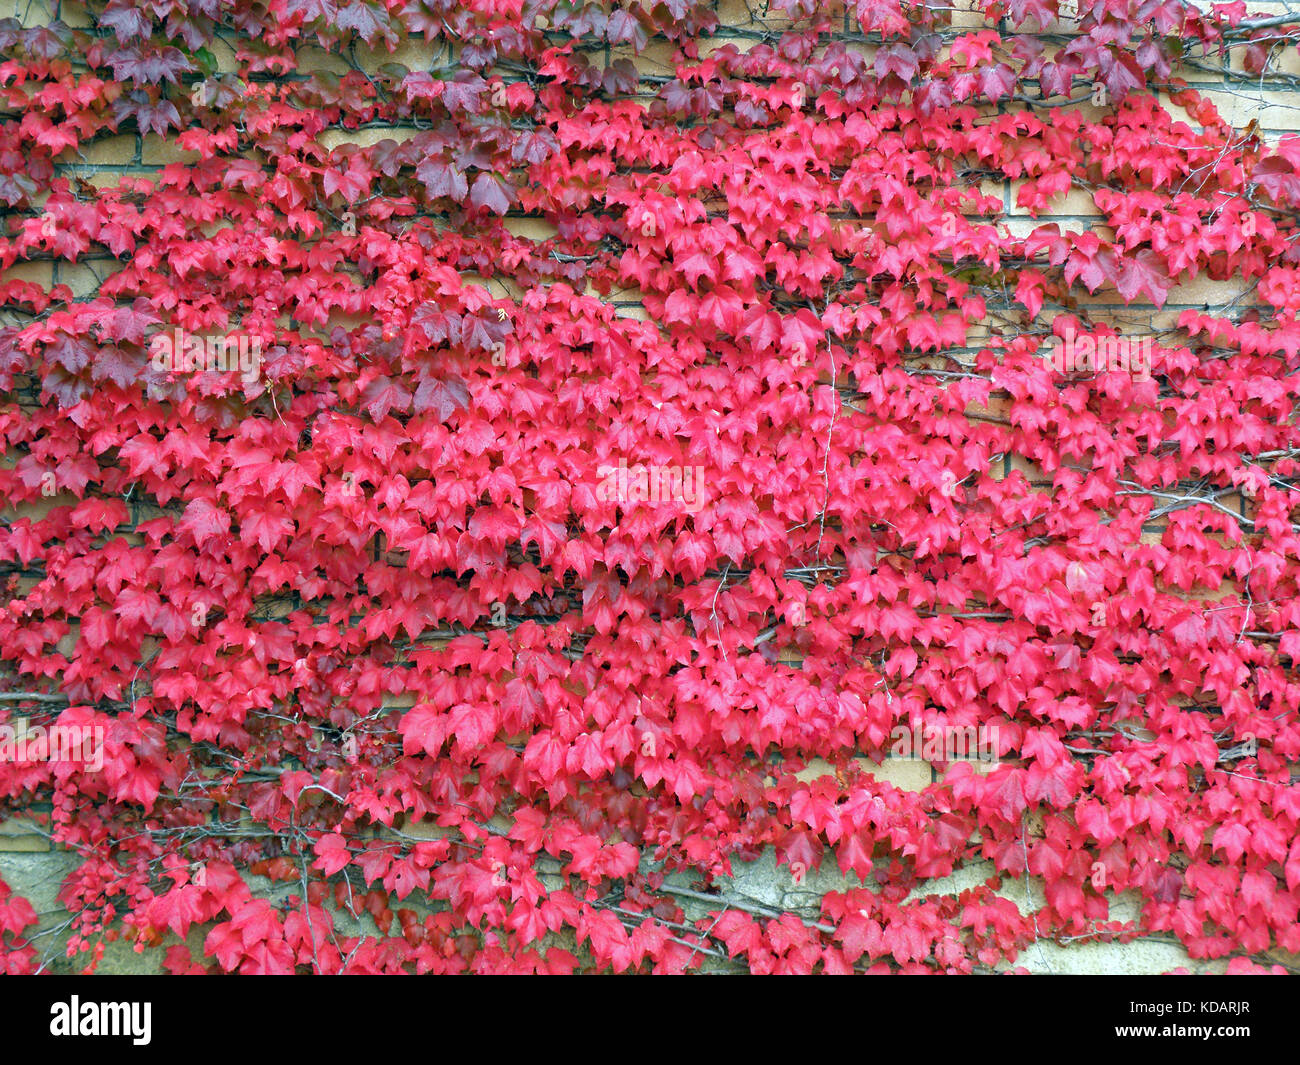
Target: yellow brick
point(865, 49)
point(31, 13)
point(84, 280)
point(967, 15)
point(1241, 105)
point(746, 14)
point(499, 287)
point(531, 228)
point(908, 774)
point(312, 59)
point(421, 829)
point(616, 295)
point(1023, 225)
point(158, 151)
point(224, 53)
point(905, 773)
point(76, 16)
point(655, 59)
point(105, 179)
point(709, 45)
point(36, 509)
point(1162, 321)
point(1178, 114)
point(111, 151)
point(23, 834)
point(23, 843)
point(1073, 201)
point(414, 54)
point(997, 407)
point(365, 138)
point(1203, 290)
point(1032, 472)
point(39, 273)
point(981, 768)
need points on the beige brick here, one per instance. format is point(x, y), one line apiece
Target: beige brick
point(616, 295)
point(23, 834)
point(209, 229)
point(1239, 106)
point(105, 179)
point(221, 51)
point(30, 13)
point(365, 138)
point(75, 16)
point(656, 58)
point(907, 774)
point(1163, 321)
point(1031, 471)
point(981, 768)
point(1177, 113)
point(815, 770)
point(415, 54)
point(1073, 201)
point(1203, 72)
point(1023, 225)
point(904, 773)
point(418, 829)
point(531, 228)
point(997, 407)
point(312, 59)
point(82, 278)
point(112, 151)
point(1203, 290)
point(1065, 26)
point(749, 14)
point(158, 151)
point(41, 273)
point(865, 49)
point(499, 287)
point(36, 509)
point(709, 45)
point(968, 15)
point(29, 843)
point(1104, 309)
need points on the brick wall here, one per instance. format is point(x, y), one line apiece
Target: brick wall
point(34, 868)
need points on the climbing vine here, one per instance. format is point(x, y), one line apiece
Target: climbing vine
point(512, 442)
